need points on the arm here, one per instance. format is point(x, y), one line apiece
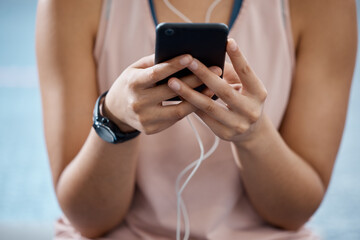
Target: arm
point(286, 173)
point(94, 180)
point(81, 163)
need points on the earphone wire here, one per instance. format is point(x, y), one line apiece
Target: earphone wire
point(180, 204)
point(185, 18)
point(210, 10)
point(181, 207)
point(176, 11)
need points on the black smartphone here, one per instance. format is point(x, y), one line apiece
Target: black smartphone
point(204, 41)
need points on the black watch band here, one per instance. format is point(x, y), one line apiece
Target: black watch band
point(108, 130)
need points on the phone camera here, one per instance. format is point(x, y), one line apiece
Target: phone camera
point(169, 32)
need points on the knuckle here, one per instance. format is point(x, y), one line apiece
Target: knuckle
point(227, 94)
point(240, 128)
point(133, 84)
point(228, 135)
point(176, 65)
point(245, 70)
point(132, 79)
point(179, 113)
point(254, 115)
point(136, 106)
point(263, 95)
point(153, 73)
point(210, 107)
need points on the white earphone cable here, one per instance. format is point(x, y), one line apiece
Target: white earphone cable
point(177, 12)
point(210, 9)
point(178, 192)
point(185, 18)
point(181, 208)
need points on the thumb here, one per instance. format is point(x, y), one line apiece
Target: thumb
point(145, 62)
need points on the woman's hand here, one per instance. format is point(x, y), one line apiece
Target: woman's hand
point(243, 93)
point(135, 102)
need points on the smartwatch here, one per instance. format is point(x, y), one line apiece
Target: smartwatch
point(106, 129)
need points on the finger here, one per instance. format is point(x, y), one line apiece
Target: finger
point(220, 87)
point(176, 112)
point(144, 62)
point(214, 109)
point(229, 74)
point(247, 76)
point(163, 70)
point(163, 92)
point(216, 70)
point(169, 115)
point(208, 92)
point(218, 128)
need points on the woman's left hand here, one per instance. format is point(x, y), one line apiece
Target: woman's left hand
point(242, 92)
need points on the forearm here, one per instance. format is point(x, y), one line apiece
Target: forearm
point(284, 189)
point(96, 188)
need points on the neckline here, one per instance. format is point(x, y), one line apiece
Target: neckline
point(233, 16)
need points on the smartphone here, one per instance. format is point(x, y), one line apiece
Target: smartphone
point(204, 41)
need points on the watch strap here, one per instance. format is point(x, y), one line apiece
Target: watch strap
point(107, 129)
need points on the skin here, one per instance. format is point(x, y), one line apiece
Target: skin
point(95, 188)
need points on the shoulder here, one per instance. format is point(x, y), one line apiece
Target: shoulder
point(323, 18)
point(69, 15)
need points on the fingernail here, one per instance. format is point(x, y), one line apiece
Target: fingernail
point(174, 85)
point(185, 60)
point(193, 65)
point(232, 45)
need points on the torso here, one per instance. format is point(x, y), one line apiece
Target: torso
point(163, 155)
point(297, 17)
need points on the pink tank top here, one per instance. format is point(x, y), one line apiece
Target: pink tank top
point(217, 204)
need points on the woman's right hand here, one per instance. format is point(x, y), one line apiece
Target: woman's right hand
point(134, 101)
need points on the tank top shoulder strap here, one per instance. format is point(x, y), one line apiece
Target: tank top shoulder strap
point(102, 29)
point(288, 29)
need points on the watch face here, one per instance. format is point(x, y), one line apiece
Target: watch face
point(105, 133)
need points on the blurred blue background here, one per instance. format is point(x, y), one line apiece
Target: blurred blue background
point(28, 205)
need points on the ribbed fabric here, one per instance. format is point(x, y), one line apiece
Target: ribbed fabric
point(217, 204)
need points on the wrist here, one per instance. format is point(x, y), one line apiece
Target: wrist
point(258, 135)
point(106, 112)
point(106, 128)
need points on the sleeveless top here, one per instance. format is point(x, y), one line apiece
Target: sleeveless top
point(215, 198)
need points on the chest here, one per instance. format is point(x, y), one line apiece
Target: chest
point(194, 10)
point(261, 29)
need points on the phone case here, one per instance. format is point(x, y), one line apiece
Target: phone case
point(204, 41)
